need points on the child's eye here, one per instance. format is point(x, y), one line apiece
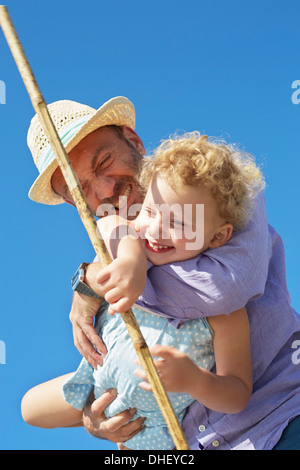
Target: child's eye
point(176, 224)
point(148, 211)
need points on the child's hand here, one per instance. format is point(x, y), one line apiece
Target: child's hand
point(176, 370)
point(122, 282)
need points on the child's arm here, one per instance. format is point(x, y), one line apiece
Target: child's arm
point(227, 391)
point(43, 406)
point(124, 279)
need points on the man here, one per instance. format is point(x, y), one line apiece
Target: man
point(105, 152)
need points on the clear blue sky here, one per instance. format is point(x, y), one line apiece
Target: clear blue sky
point(225, 68)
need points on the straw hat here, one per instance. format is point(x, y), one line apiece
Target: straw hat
point(73, 122)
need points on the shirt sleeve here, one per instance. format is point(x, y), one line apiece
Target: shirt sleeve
point(220, 280)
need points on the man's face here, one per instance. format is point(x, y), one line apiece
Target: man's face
point(106, 166)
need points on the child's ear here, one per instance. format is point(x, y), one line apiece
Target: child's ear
point(221, 236)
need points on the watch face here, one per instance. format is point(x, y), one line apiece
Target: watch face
point(77, 278)
point(81, 274)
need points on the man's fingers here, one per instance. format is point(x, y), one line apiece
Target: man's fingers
point(118, 423)
point(132, 428)
point(98, 406)
point(121, 427)
point(86, 349)
point(121, 424)
point(94, 339)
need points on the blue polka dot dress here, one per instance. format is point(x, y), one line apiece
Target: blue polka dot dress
point(194, 337)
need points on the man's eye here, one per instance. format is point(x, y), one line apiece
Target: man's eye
point(104, 163)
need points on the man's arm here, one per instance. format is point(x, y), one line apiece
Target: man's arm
point(82, 315)
point(119, 428)
point(120, 283)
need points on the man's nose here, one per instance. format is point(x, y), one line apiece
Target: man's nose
point(104, 187)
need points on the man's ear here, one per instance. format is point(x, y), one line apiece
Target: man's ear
point(221, 236)
point(132, 136)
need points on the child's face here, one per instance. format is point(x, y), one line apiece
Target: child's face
point(177, 225)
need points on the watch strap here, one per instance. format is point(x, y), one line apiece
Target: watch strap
point(83, 288)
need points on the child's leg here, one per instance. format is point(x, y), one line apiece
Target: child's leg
point(43, 406)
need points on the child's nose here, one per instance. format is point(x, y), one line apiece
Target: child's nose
point(158, 229)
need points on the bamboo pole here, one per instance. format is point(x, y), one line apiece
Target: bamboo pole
point(88, 221)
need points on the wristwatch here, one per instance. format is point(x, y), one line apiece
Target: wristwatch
point(78, 284)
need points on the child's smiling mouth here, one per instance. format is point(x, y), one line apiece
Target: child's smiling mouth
point(157, 248)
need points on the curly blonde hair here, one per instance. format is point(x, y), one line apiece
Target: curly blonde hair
point(230, 174)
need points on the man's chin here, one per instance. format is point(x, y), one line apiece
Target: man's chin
point(127, 207)
point(131, 212)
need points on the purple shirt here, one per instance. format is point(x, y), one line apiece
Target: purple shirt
point(249, 270)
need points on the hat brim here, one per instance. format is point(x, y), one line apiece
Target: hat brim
point(118, 111)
